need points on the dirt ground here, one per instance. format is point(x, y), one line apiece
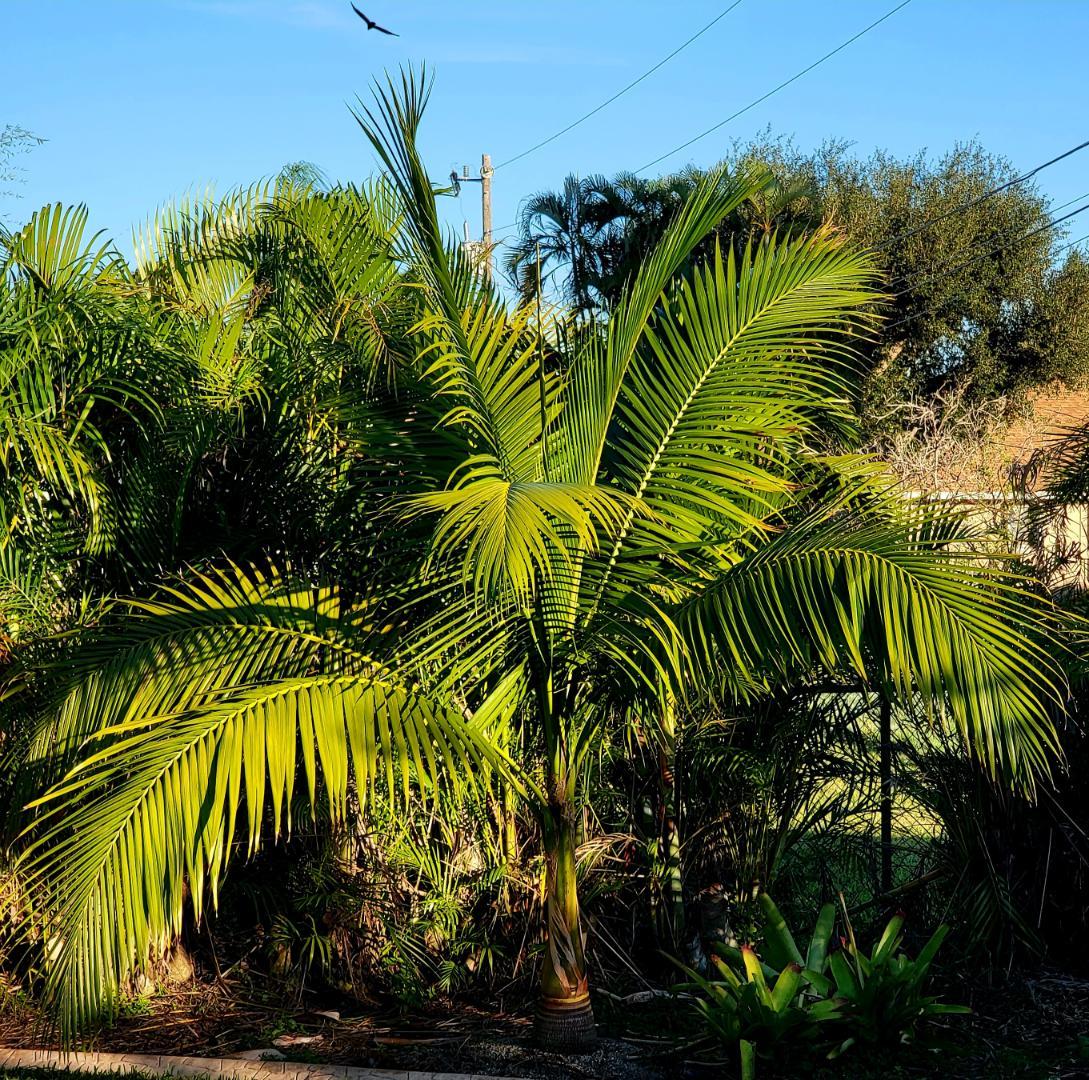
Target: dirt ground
point(1035, 1028)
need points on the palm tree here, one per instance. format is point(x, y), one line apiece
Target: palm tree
point(64, 378)
point(283, 314)
point(650, 526)
point(569, 233)
point(593, 235)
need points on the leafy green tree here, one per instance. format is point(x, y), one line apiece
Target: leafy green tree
point(975, 294)
point(968, 292)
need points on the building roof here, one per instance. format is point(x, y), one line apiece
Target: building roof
point(1050, 413)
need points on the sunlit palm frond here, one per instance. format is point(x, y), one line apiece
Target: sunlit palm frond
point(483, 358)
point(52, 439)
point(902, 599)
point(168, 653)
point(598, 374)
point(489, 373)
point(157, 809)
point(714, 412)
point(55, 251)
point(228, 683)
point(510, 535)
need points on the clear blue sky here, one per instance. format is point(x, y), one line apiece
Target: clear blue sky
point(143, 99)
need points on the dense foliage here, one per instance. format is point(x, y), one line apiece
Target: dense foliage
point(478, 632)
point(981, 290)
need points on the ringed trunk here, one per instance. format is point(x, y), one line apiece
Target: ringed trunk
point(565, 1018)
point(672, 933)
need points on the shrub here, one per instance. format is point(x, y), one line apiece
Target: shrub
point(819, 1004)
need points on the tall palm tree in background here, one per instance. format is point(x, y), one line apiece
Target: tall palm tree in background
point(586, 546)
point(568, 233)
point(593, 235)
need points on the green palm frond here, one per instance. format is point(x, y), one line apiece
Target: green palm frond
point(232, 687)
point(167, 654)
point(484, 358)
point(489, 372)
point(713, 414)
point(54, 416)
point(157, 811)
point(55, 251)
point(899, 597)
point(598, 373)
point(32, 583)
point(513, 535)
point(348, 287)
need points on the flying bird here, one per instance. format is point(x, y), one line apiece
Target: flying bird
point(371, 24)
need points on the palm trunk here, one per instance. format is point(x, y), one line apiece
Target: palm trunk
point(672, 932)
point(672, 929)
point(565, 1017)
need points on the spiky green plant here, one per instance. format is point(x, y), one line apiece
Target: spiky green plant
point(822, 1002)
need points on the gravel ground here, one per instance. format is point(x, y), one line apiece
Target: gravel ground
point(614, 1059)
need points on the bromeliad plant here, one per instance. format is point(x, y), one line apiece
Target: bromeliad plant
point(624, 514)
point(760, 1007)
point(882, 994)
point(758, 1013)
point(821, 1003)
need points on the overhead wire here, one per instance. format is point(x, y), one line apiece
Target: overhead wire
point(947, 214)
point(787, 82)
point(938, 218)
point(899, 237)
point(912, 281)
point(775, 90)
point(623, 90)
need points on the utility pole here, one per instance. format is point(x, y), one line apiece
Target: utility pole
point(486, 173)
point(485, 182)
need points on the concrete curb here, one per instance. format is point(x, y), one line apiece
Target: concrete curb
point(166, 1065)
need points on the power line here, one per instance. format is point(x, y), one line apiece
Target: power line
point(946, 215)
point(721, 123)
point(912, 280)
point(948, 300)
point(782, 86)
point(989, 246)
point(620, 93)
point(907, 234)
